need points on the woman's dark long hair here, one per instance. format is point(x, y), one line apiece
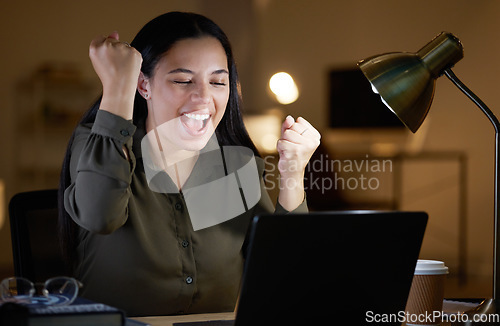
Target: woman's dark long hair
point(153, 41)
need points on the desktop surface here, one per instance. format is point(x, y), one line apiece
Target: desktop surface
point(171, 320)
point(450, 306)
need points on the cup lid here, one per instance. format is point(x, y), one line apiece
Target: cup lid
point(430, 267)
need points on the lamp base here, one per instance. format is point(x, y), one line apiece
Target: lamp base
point(486, 314)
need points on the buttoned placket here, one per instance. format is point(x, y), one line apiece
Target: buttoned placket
point(183, 228)
point(186, 254)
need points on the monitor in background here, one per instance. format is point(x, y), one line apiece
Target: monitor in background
point(353, 104)
point(359, 122)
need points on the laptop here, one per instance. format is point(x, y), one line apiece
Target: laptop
point(345, 267)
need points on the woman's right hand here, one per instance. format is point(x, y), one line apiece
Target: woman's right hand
point(118, 66)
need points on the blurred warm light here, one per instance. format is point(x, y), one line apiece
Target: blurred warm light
point(284, 88)
point(265, 129)
point(268, 142)
point(2, 203)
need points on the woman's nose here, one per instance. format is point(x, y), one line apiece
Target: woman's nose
point(201, 94)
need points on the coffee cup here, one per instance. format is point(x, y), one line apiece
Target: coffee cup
point(425, 301)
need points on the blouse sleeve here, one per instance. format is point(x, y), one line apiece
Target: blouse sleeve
point(101, 174)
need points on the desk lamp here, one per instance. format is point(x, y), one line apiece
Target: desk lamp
point(405, 83)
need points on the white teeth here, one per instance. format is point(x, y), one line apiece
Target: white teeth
point(197, 116)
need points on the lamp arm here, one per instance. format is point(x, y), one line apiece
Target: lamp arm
point(449, 73)
point(496, 254)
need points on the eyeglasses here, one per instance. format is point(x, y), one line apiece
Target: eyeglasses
point(57, 291)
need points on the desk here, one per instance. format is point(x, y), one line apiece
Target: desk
point(448, 306)
point(170, 320)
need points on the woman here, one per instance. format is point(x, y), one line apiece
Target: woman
point(132, 245)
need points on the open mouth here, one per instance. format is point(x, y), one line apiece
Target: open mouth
point(194, 122)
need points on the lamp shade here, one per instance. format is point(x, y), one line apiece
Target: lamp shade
point(406, 81)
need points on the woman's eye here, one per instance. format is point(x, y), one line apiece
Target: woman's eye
point(219, 83)
point(182, 82)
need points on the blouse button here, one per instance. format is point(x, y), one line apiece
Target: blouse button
point(178, 206)
point(189, 280)
point(185, 243)
point(124, 132)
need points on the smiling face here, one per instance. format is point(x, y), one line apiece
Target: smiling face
point(188, 93)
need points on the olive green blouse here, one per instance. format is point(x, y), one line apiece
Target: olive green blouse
point(137, 248)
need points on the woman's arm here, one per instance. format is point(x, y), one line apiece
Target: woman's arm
point(102, 162)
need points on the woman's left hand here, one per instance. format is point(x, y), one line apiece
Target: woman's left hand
point(299, 139)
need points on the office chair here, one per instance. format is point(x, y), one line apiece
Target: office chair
point(35, 244)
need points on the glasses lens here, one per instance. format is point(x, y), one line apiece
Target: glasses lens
point(61, 290)
point(17, 289)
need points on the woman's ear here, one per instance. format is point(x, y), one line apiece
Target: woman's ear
point(143, 86)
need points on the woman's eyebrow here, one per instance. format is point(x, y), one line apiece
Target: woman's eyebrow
point(187, 71)
point(220, 71)
point(183, 70)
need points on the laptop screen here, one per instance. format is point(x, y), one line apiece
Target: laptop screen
point(329, 266)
